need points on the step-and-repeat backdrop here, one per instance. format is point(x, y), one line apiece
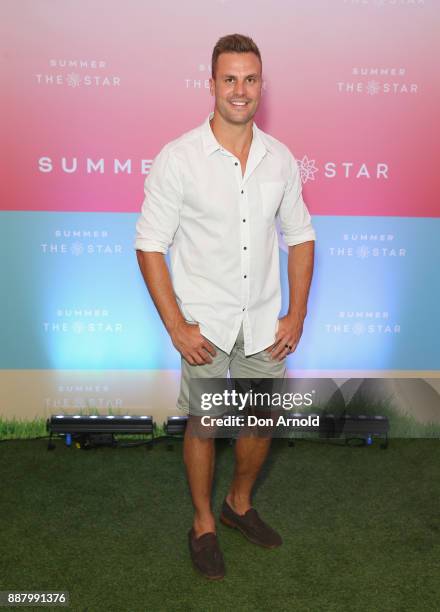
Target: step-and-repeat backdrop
point(91, 91)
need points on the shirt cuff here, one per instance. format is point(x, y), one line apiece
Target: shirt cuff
point(150, 246)
point(294, 239)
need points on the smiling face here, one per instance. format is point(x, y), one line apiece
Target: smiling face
point(237, 86)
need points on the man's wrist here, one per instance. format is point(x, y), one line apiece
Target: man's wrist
point(174, 324)
point(296, 315)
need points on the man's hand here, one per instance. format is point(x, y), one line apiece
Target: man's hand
point(287, 337)
point(190, 343)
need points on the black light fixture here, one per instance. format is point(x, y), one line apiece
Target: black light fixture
point(175, 425)
point(94, 430)
point(356, 429)
point(363, 428)
point(174, 428)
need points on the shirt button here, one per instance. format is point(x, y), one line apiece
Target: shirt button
point(244, 308)
point(236, 163)
point(242, 191)
point(245, 276)
point(244, 220)
point(244, 248)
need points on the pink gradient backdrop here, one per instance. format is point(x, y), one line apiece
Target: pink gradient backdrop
point(307, 48)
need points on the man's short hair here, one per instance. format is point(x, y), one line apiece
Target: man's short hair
point(233, 43)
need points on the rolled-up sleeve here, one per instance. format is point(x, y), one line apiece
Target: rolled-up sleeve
point(159, 218)
point(295, 221)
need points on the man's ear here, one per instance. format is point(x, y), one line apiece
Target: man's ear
point(211, 86)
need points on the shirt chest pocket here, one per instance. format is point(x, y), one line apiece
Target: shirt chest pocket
point(271, 195)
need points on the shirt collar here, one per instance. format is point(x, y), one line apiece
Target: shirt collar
point(210, 143)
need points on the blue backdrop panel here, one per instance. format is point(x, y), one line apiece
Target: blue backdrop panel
point(73, 297)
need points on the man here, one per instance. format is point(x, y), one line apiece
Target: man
point(214, 194)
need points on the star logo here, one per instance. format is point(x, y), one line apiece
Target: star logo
point(73, 79)
point(78, 327)
point(358, 329)
point(307, 169)
point(373, 88)
point(362, 252)
point(77, 248)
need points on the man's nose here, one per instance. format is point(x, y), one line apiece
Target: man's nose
point(239, 89)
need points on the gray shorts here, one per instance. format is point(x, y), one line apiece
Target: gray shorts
point(259, 365)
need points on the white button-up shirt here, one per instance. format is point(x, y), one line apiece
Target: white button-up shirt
point(221, 226)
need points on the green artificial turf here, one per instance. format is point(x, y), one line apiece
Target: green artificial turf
point(361, 528)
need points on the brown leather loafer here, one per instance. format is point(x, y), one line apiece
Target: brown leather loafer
point(206, 555)
point(251, 526)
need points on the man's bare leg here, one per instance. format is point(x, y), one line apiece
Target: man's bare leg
point(250, 454)
point(199, 458)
